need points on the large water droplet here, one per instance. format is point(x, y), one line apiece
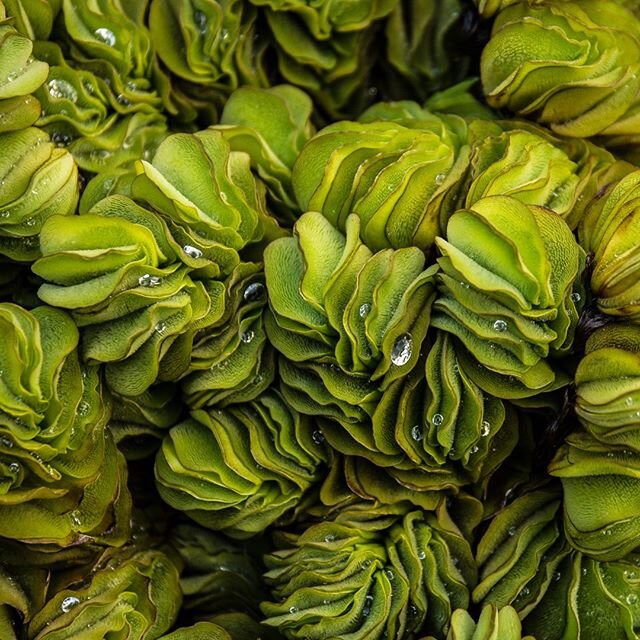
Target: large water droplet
point(576, 297)
point(364, 310)
point(147, 280)
point(500, 326)
point(68, 603)
point(60, 89)
point(14, 467)
point(437, 419)
point(106, 35)
point(253, 292)
point(416, 433)
point(192, 252)
point(247, 336)
point(402, 350)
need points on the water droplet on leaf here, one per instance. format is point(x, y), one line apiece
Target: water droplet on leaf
point(402, 350)
point(68, 603)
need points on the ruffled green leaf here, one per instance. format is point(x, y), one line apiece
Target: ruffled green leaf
point(387, 574)
point(398, 179)
point(611, 231)
point(239, 469)
point(572, 66)
point(507, 292)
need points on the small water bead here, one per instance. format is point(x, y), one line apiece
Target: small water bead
point(440, 178)
point(83, 408)
point(364, 310)
point(161, 327)
point(326, 601)
point(402, 350)
point(224, 34)
point(247, 336)
point(512, 530)
point(372, 91)
point(75, 519)
point(147, 280)
point(437, 419)
point(14, 467)
point(629, 401)
point(422, 555)
point(253, 292)
point(632, 599)
point(192, 252)
point(366, 609)
point(606, 532)
point(416, 433)
point(557, 576)
point(106, 35)
point(68, 603)
point(61, 89)
point(485, 430)
point(329, 538)
point(293, 609)
point(123, 100)
point(500, 326)
point(5, 442)
point(576, 297)
point(60, 139)
point(389, 573)
point(201, 21)
point(474, 449)
point(30, 222)
point(318, 437)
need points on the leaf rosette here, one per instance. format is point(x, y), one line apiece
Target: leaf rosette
point(210, 43)
point(382, 573)
point(239, 469)
point(20, 76)
point(61, 478)
point(600, 485)
point(37, 181)
point(572, 66)
point(326, 48)
point(223, 209)
point(103, 119)
point(608, 386)
point(509, 293)
point(126, 281)
point(528, 163)
point(399, 176)
point(525, 562)
point(346, 321)
point(129, 594)
point(610, 231)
